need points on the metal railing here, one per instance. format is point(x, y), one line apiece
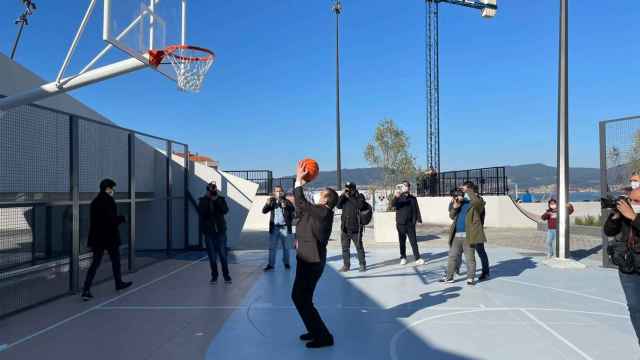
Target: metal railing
point(265, 180)
point(52, 163)
point(490, 181)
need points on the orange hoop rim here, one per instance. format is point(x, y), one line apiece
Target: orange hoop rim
point(156, 56)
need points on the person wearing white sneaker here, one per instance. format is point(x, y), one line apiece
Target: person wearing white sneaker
point(407, 215)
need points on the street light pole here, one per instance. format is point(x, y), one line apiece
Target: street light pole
point(337, 8)
point(23, 20)
point(564, 248)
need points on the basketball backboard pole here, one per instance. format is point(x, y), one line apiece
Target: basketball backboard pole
point(72, 83)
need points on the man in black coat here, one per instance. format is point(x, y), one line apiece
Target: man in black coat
point(407, 215)
point(212, 208)
point(312, 232)
point(281, 215)
point(351, 202)
point(104, 235)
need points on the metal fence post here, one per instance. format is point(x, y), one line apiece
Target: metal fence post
point(74, 259)
point(186, 196)
point(132, 202)
point(604, 187)
point(169, 200)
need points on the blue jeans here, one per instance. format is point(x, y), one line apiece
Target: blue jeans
point(551, 242)
point(278, 236)
point(216, 249)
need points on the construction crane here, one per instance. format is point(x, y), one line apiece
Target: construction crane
point(488, 9)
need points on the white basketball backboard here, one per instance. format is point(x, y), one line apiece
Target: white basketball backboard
point(138, 26)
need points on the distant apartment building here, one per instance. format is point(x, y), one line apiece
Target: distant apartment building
point(201, 159)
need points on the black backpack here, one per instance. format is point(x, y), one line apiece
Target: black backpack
point(366, 213)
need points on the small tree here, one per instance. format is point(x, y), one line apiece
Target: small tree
point(388, 150)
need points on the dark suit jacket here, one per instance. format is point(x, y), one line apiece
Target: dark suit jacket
point(289, 212)
point(313, 229)
point(407, 210)
point(104, 222)
point(212, 214)
point(351, 206)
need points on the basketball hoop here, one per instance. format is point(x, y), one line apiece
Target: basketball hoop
point(191, 64)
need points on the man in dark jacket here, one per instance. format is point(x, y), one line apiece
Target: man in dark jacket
point(312, 232)
point(407, 215)
point(351, 202)
point(280, 226)
point(624, 224)
point(212, 208)
point(104, 235)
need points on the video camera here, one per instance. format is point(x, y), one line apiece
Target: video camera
point(610, 202)
point(457, 193)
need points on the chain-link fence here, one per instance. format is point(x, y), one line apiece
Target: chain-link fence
point(619, 159)
point(51, 166)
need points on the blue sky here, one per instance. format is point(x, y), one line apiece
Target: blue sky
point(269, 99)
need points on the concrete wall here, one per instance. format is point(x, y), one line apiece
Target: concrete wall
point(582, 209)
point(240, 195)
point(500, 212)
point(256, 220)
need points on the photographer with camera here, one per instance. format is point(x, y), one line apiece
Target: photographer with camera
point(624, 224)
point(212, 208)
point(466, 235)
point(551, 217)
point(280, 226)
point(351, 202)
point(407, 215)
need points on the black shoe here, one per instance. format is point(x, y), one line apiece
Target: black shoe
point(213, 281)
point(86, 295)
point(320, 343)
point(483, 277)
point(363, 268)
point(123, 285)
point(287, 266)
point(445, 280)
point(306, 337)
point(344, 269)
point(268, 268)
point(227, 280)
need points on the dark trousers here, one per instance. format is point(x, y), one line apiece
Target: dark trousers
point(98, 252)
point(484, 259)
point(404, 231)
point(216, 248)
point(307, 277)
point(346, 239)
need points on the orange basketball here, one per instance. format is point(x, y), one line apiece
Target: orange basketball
point(312, 168)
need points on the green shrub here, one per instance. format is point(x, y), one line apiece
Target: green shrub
point(589, 220)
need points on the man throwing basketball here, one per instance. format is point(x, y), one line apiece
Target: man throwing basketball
point(313, 232)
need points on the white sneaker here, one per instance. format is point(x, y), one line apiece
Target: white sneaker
point(403, 261)
point(420, 262)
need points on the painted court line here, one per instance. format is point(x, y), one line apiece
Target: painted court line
point(558, 336)
point(62, 322)
point(564, 291)
point(393, 345)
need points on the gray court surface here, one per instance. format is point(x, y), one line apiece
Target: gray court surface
point(527, 310)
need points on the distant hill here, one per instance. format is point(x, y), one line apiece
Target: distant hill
point(529, 175)
point(534, 175)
